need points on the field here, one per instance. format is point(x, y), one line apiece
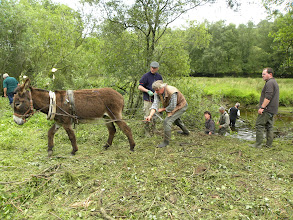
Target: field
point(196, 177)
point(244, 90)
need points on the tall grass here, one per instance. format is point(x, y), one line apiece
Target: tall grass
point(244, 90)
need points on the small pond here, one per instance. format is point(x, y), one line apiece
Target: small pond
point(283, 126)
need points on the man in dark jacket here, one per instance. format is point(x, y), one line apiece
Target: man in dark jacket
point(234, 113)
point(268, 107)
point(145, 85)
point(209, 123)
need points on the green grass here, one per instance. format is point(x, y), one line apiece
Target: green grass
point(196, 177)
point(244, 90)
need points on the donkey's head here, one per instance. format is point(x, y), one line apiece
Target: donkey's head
point(22, 103)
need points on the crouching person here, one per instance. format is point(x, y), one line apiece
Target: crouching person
point(174, 103)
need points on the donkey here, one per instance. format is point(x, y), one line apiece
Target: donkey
point(88, 104)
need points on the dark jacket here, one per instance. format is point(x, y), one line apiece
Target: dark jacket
point(210, 126)
point(147, 81)
point(270, 91)
point(233, 113)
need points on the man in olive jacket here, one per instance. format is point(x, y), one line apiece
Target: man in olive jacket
point(268, 107)
point(223, 122)
point(174, 103)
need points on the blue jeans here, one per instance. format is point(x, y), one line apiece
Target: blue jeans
point(10, 97)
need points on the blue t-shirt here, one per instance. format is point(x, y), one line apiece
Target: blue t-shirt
point(147, 81)
point(10, 83)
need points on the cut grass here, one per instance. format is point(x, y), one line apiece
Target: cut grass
point(196, 177)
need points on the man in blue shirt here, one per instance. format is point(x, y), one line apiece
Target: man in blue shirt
point(145, 85)
point(9, 85)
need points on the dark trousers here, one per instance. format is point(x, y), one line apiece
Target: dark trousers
point(10, 97)
point(265, 121)
point(232, 122)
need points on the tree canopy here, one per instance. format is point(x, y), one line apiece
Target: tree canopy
point(38, 35)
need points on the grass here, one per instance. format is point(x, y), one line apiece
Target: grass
point(243, 90)
point(196, 177)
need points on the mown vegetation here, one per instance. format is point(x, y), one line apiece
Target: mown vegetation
point(196, 177)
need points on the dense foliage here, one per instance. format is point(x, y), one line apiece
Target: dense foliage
point(39, 35)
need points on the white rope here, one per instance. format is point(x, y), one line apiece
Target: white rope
point(52, 106)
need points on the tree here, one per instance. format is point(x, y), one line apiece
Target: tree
point(150, 17)
point(37, 35)
point(275, 6)
point(283, 36)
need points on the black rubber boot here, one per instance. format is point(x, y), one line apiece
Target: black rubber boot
point(167, 137)
point(180, 124)
point(163, 144)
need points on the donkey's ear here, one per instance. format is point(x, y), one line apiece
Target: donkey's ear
point(27, 83)
point(24, 86)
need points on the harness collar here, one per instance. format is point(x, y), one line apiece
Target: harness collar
point(52, 106)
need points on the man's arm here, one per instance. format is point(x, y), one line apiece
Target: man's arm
point(268, 96)
point(263, 106)
point(141, 88)
point(5, 92)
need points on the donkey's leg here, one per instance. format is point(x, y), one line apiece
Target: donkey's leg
point(72, 138)
point(127, 131)
point(112, 131)
point(51, 134)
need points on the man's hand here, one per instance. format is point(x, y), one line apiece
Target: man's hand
point(161, 110)
point(149, 118)
point(217, 123)
point(260, 111)
point(210, 133)
point(220, 126)
point(150, 93)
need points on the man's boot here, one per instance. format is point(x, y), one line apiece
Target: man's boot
point(180, 124)
point(258, 139)
point(270, 138)
point(167, 137)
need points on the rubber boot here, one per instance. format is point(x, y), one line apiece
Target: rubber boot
point(270, 138)
point(258, 138)
point(167, 137)
point(180, 124)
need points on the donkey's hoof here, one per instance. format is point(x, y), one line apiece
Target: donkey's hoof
point(106, 147)
point(50, 153)
point(132, 149)
point(73, 153)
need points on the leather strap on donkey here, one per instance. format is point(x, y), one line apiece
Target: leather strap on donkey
point(71, 102)
point(52, 106)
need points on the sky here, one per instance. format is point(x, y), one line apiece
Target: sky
point(250, 10)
